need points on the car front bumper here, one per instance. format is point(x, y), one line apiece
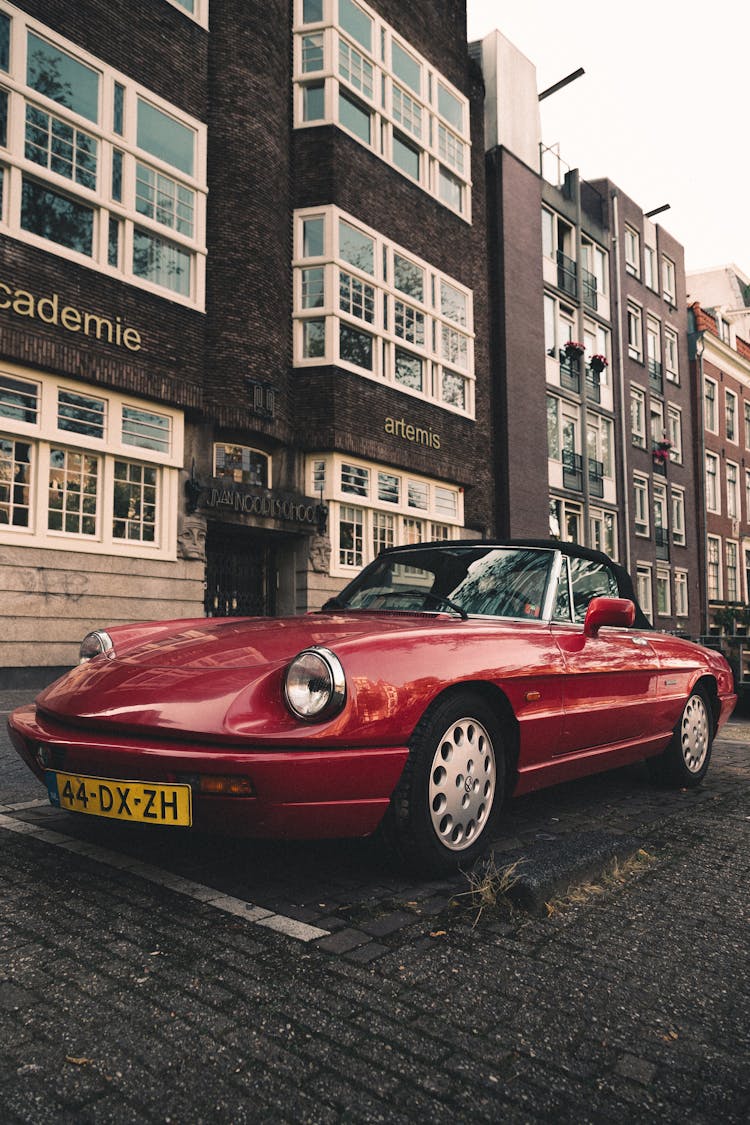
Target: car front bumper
point(297, 794)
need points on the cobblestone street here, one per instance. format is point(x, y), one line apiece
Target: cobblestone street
point(137, 984)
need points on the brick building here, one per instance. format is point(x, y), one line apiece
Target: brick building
point(243, 305)
point(589, 359)
point(721, 369)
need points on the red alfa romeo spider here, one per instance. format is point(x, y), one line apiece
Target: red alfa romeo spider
point(443, 678)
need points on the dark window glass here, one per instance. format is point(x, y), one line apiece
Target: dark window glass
point(63, 79)
point(119, 109)
point(4, 41)
point(355, 347)
point(3, 118)
point(113, 247)
point(56, 217)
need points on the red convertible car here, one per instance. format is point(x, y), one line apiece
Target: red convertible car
point(443, 678)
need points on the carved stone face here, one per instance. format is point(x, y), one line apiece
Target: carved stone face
point(191, 538)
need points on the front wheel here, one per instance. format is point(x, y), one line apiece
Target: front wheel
point(445, 806)
point(685, 761)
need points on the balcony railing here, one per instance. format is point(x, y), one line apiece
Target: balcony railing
point(596, 477)
point(567, 274)
point(593, 385)
point(661, 537)
point(589, 288)
point(572, 470)
point(655, 376)
point(570, 373)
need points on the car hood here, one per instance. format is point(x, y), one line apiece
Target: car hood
point(221, 678)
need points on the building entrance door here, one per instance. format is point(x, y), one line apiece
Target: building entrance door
point(240, 574)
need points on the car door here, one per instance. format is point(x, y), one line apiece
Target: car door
point(610, 680)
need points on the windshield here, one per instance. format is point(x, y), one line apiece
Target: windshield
point(493, 581)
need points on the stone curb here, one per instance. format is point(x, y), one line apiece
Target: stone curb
point(557, 865)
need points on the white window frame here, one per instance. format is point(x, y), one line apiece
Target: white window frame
point(638, 424)
point(644, 589)
point(669, 280)
point(731, 401)
point(710, 404)
point(635, 331)
point(678, 516)
point(441, 331)
point(603, 531)
point(714, 584)
point(199, 14)
point(105, 210)
point(632, 251)
point(650, 268)
point(663, 609)
point(562, 512)
point(674, 432)
point(732, 471)
point(438, 140)
point(681, 606)
point(713, 490)
point(671, 355)
point(641, 506)
point(435, 520)
point(732, 552)
point(45, 434)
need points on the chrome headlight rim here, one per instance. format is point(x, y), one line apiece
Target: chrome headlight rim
point(99, 643)
point(336, 689)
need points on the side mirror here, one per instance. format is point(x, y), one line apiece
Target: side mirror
point(619, 612)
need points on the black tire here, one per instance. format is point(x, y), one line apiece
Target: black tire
point(446, 805)
point(684, 763)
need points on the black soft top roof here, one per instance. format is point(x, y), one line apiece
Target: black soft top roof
point(625, 588)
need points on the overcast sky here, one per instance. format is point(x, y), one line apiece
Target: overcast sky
point(663, 108)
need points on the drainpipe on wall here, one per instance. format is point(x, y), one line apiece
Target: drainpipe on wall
point(624, 440)
point(699, 346)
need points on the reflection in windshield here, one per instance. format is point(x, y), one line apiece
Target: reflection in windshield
point(493, 581)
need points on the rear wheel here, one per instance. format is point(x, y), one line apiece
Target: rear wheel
point(685, 761)
point(443, 811)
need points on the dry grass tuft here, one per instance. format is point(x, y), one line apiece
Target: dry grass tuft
point(489, 886)
point(615, 876)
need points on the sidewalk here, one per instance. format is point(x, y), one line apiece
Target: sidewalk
point(122, 1000)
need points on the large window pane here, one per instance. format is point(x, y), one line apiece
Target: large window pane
point(313, 339)
point(356, 22)
point(450, 107)
point(80, 414)
point(4, 41)
point(454, 389)
point(145, 429)
point(161, 262)
point(408, 277)
point(405, 157)
point(56, 217)
point(313, 231)
point(313, 102)
point(63, 79)
point(356, 248)
point(166, 138)
point(354, 118)
point(355, 347)
point(18, 399)
point(409, 370)
point(406, 67)
point(312, 11)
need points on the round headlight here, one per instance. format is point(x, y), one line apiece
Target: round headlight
point(94, 644)
point(315, 685)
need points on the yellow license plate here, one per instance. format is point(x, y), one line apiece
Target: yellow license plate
point(140, 802)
